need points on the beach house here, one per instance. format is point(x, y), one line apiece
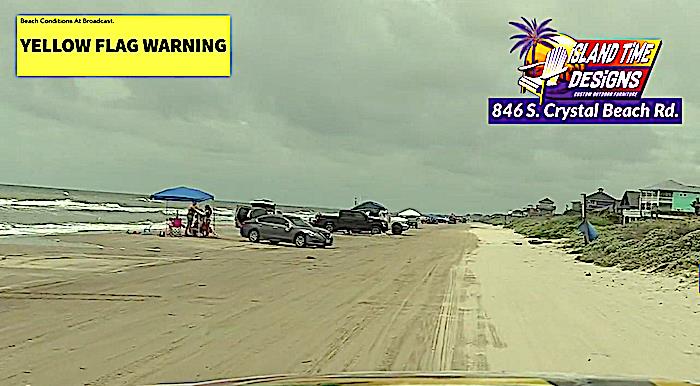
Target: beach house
point(669, 197)
point(575, 207)
point(530, 210)
point(517, 213)
point(629, 206)
point(545, 207)
point(601, 201)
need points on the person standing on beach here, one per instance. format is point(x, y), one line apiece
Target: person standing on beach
point(696, 206)
point(192, 211)
point(206, 221)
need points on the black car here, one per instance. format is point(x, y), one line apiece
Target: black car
point(351, 220)
point(277, 228)
point(245, 213)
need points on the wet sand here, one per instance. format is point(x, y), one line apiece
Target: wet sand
point(122, 309)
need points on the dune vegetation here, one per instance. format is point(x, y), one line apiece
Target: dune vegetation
point(671, 246)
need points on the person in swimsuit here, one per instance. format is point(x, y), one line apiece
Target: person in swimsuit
point(206, 221)
point(192, 211)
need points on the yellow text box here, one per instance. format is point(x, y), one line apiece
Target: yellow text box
point(124, 45)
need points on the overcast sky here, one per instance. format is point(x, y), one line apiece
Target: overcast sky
point(385, 100)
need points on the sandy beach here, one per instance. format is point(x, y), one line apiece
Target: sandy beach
point(117, 309)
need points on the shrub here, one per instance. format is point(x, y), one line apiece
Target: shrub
point(671, 246)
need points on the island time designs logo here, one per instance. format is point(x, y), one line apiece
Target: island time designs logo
point(581, 80)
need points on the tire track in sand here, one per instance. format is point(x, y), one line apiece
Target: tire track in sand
point(461, 332)
point(359, 325)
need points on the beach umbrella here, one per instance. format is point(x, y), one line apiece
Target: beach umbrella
point(374, 208)
point(409, 213)
point(182, 194)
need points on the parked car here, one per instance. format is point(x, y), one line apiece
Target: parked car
point(412, 216)
point(428, 219)
point(436, 219)
point(256, 208)
point(398, 225)
point(277, 228)
point(352, 221)
point(304, 214)
point(440, 219)
point(245, 213)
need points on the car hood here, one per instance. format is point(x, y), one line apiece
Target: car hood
point(441, 378)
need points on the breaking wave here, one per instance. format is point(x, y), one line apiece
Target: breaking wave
point(68, 204)
point(55, 229)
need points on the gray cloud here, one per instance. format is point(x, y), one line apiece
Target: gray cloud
point(332, 99)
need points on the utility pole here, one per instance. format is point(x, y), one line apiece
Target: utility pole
point(583, 218)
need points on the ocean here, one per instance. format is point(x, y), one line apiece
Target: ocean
point(28, 210)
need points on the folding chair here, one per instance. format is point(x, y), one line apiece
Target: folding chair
point(175, 227)
point(554, 65)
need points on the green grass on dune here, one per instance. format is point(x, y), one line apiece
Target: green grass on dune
point(671, 246)
point(556, 227)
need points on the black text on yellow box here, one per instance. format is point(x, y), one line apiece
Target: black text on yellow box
point(120, 45)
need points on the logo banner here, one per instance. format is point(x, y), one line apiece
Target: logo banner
point(582, 81)
point(123, 45)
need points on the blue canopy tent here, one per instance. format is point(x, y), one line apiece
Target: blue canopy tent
point(372, 206)
point(182, 194)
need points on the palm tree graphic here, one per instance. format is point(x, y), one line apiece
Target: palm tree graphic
point(533, 35)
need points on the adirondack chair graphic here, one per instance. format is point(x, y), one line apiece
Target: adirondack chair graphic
point(554, 65)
